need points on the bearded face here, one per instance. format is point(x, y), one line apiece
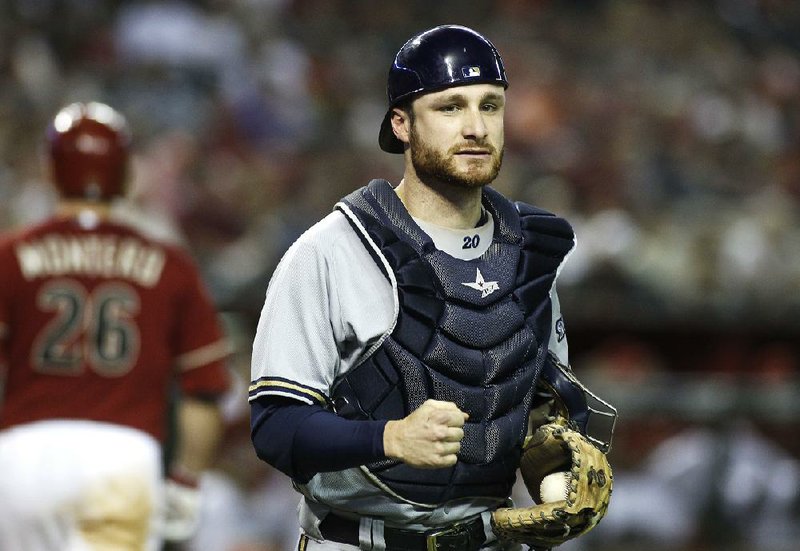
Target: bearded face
point(455, 135)
point(447, 166)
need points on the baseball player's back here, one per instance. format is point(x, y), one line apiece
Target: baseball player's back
point(95, 315)
point(104, 333)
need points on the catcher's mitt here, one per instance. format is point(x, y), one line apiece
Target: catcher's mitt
point(552, 448)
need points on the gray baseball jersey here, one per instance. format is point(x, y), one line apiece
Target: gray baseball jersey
point(328, 307)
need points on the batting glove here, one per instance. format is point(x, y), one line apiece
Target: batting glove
point(182, 501)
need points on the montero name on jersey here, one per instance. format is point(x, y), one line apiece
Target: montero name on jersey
point(93, 256)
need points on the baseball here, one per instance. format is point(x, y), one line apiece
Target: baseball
point(554, 487)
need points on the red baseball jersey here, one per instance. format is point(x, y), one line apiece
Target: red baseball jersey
point(98, 322)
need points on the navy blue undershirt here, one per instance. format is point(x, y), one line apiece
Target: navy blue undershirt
point(302, 440)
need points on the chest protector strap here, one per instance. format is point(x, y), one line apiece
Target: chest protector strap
point(470, 332)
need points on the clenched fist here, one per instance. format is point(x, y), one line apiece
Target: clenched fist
point(428, 438)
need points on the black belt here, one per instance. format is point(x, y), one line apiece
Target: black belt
point(461, 536)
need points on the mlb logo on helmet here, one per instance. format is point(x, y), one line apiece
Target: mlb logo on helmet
point(469, 72)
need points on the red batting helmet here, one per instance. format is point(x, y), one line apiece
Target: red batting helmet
point(88, 146)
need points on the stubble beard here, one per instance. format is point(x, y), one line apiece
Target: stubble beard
point(430, 165)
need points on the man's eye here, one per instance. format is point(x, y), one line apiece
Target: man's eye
point(449, 108)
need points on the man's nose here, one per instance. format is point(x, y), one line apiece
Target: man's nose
point(474, 125)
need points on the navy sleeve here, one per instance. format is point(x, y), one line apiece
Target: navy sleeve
point(301, 440)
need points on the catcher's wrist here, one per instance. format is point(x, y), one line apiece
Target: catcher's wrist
point(390, 447)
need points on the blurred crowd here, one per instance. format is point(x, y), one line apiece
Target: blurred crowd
point(667, 132)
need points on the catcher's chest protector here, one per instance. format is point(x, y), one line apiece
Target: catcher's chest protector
point(471, 332)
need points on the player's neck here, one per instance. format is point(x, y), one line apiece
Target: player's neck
point(451, 207)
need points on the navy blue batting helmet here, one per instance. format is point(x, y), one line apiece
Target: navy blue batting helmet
point(441, 57)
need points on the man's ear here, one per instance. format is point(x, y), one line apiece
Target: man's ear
point(401, 124)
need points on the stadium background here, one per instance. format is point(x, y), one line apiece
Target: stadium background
point(668, 132)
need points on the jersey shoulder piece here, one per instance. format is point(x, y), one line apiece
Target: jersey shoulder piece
point(314, 324)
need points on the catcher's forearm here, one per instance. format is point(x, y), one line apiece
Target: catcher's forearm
point(301, 440)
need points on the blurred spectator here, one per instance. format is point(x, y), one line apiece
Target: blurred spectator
point(671, 128)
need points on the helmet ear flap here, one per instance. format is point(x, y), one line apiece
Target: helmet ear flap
point(88, 149)
point(387, 138)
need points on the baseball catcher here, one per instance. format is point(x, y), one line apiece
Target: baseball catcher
point(398, 393)
point(561, 443)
